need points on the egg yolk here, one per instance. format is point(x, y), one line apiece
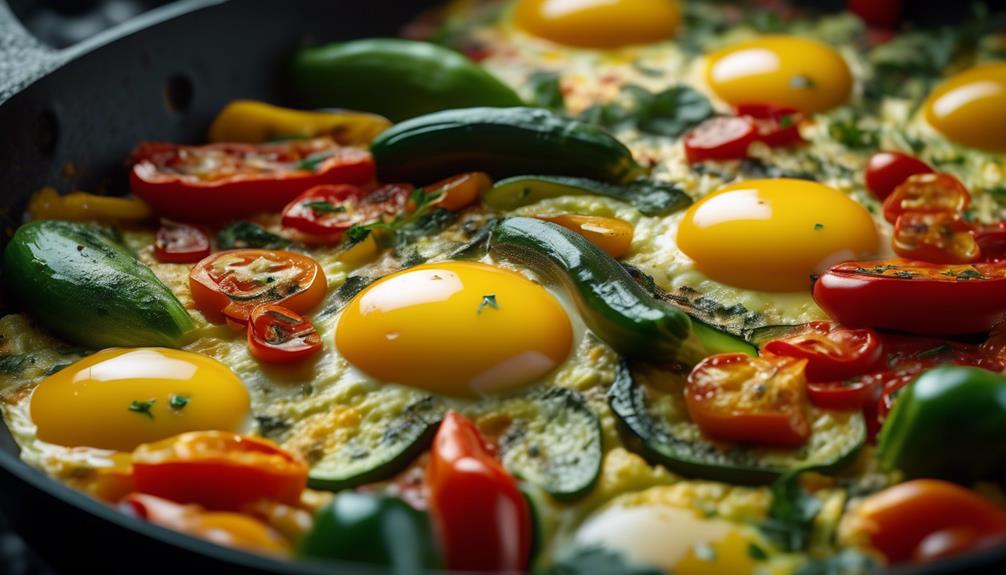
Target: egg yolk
point(799, 73)
point(670, 538)
point(120, 398)
point(970, 108)
point(599, 23)
point(455, 328)
point(772, 235)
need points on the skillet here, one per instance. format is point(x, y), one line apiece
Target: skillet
point(69, 118)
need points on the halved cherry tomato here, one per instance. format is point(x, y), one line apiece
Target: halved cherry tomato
point(483, 519)
point(914, 297)
point(832, 352)
point(218, 470)
point(991, 240)
point(179, 243)
point(880, 13)
point(737, 397)
point(939, 238)
point(720, 138)
point(460, 191)
point(328, 211)
point(277, 334)
point(612, 235)
point(929, 193)
point(778, 126)
point(222, 181)
point(887, 170)
point(223, 528)
point(927, 519)
point(228, 285)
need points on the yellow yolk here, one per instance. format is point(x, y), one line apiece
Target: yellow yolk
point(120, 398)
point(670, 538)
point(599, 23)
point(772, 235)
point(455, 328)
point(799, 73)
point(970, 108)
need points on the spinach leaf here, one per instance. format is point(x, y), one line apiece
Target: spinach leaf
point(250, 235)
point(791, 514)
point(670, 113)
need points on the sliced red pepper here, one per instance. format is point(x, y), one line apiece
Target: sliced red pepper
point(991, 240)
point(939, 238)
point(179, 243)
point(218, 182)
point(832, 352)
point(928, 193)
point(482, 517)
point(328, 211)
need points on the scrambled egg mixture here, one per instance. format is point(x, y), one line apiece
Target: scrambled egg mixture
point(657, 517)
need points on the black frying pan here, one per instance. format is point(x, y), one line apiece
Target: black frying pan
point(70, 118)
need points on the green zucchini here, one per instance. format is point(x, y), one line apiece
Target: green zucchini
point(673, 440)
point(614, 306)
point(87, 289)
point(650, 197)
point(762, 335)
point(388, 441)
point(503, 142)
point(398, 79)
point(556, 445)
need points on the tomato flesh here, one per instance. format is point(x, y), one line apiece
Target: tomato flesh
point(720, 138)
point(228, 285)
point(328, 211)
point(927, 193)
point(736, 397)
point(991, 241)
point(777, 126)
point(887, 170)
point(218, 470)
point(180, 243)
point(940, 238)
point(277, 334)
point(832, 353)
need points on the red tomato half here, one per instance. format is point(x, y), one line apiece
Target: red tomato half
point(222, 181)
point(778, 127)
point(228, 285)
point(928, 193)
point(328, 211)
point(736, 397)
point(720, 138)
point(887, 170)
point(180, 243)
point(939, 238)
point(218, 470)
point(914, 297)
point(280, 335)
point(483, 519)
point(880, 13)
point(832, 352)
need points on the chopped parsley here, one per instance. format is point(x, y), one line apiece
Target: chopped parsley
point(311, 163)
point(424, 220)
point(818, 227)
point(143, 407)
point(801, 82)
point(488, 300)
point(250, 235)
point(178, 402)
point(757, 553)
point(323, 207)
point(670, 113)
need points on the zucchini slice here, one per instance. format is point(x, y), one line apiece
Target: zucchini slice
point(671, 439)
point(554, 442)
point(386, 443)
point(650, 197)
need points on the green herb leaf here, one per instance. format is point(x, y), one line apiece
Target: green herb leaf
point(669, 113)
point(791, 514)
point(757, 553)
point(143, 407)
point(488, 300)
point(311, 163)
point(178, 402)
point(546, 91)
point(357, 233)
point(801, 82)
point(818, 227)
point(848, 131)
point(250, 235)
point(323, 207)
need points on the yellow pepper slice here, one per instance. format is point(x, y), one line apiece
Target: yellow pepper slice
point(612, 235)
point(255, 122)
point(47, 204)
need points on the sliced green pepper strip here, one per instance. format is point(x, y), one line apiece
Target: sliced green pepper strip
point(650, 197)
point(614, 306)
point(950, 423)
point(373, 528)
point(398, 79)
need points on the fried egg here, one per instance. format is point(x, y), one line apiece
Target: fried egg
point(455, 328)
point(970, 108)
point(791, 71)
point(599, 23)
point(120, 398)
point(774, 234)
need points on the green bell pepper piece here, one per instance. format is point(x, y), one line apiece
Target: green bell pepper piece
point(373, 528)
point(398, 79)
point(950, 423)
